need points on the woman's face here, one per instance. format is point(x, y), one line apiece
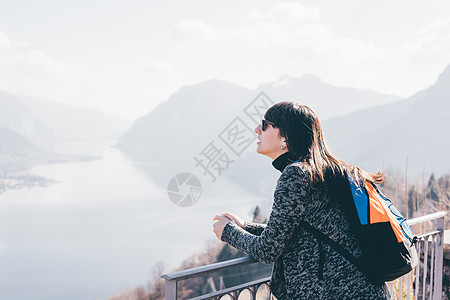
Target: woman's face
point(270, 142)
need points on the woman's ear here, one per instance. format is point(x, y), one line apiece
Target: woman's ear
point(283, 144)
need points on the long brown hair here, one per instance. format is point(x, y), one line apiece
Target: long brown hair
point(301, 128)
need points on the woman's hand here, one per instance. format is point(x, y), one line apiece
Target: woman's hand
point(236, 219)
point(223, 219)
point(220, 225)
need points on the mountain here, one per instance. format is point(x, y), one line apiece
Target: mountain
point(383, 137)
point(20, 118)
point(196, 112)
point(30, 127)
point(45, 123)
point(65, 122)
point(166, 140)
point(179, 126)
point(12, 143)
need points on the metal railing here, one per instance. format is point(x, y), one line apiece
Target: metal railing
point(258, 289)
point(424, 282)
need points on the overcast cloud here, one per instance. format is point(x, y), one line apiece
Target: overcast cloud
point(127, 58)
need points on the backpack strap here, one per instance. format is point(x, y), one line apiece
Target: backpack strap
point(336, 246)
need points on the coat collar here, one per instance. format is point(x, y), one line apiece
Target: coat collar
point(283, 160)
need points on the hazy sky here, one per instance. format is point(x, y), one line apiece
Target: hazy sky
point(125, 57)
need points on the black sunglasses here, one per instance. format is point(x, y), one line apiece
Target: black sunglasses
point(265, 123)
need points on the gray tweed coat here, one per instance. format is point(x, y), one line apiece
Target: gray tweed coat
point(297, 271)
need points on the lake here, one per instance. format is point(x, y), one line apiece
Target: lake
point(101, 228)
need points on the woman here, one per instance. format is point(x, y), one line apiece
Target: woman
point(307, 191)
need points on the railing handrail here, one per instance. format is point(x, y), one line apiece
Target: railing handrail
point(193, 272)
point(426, 218)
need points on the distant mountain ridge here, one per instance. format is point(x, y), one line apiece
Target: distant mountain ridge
point(176, 127)
point(197, 112)
point(166, 139)
point(29, 128)
point(15, 115)
point(12, 143)
point(415, 129)
point(46, 122)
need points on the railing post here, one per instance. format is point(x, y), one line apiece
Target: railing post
point(417, 270)
point(170, 289)
point(439, 258)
